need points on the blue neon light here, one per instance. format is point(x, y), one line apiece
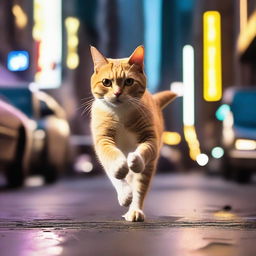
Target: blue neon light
point(152, 23)
point(18, 60)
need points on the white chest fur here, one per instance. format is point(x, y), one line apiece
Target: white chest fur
point(126, 141)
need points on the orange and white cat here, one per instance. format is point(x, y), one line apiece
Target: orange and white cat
point(126, 126)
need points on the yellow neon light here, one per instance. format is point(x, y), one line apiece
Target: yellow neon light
point(72, 25)
point(247, 34)
point(38, 28)
point(171, 138)
point(21, 19)
point(243, 14)
point(212, 56)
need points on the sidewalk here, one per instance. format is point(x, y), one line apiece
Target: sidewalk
point(186, 215)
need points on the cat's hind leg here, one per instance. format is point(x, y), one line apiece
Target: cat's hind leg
point(124, 191)
point(140, 186)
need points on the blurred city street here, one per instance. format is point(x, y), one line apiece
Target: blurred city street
point(186, 215)
point(83, 81)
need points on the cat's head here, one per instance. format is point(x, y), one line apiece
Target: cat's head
point(117, 81)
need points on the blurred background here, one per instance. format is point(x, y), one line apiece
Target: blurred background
point(205, 51)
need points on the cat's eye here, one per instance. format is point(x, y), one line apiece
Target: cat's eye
point(128, 81)
point(106, 82)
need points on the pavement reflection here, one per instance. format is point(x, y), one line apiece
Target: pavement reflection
point(186, 215)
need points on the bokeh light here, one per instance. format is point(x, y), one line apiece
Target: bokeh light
point(217, 152)
point(222, 112)
point(202, 159)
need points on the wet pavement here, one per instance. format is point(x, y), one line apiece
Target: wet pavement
point(186, 215)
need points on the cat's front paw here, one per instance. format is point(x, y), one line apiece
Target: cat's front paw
point(134, 215)
point(120, 168)
point(135, 162)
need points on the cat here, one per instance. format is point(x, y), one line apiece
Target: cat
point(126, 126)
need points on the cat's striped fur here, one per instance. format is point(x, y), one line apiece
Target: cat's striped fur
point(126, 125)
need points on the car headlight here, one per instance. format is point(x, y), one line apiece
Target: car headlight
point(244, 144)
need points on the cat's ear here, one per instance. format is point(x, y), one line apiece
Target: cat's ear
point(137, 57)
point(98, 58)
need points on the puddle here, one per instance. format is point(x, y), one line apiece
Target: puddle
point(216, 249)
point(225, 215)
point(229, 212)
point(225, 212)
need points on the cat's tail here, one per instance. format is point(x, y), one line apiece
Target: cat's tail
point(163, 98)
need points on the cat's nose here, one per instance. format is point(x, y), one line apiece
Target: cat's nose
point(117, 93)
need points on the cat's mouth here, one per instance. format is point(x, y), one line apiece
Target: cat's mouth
point(115, 101)
point(118, 101)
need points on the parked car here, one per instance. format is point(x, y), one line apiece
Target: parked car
point(15, 143)
point(47, 149)
point(239, 134)
point(51, 155)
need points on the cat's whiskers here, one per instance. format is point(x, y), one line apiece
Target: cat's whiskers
point(138, 105)
point(87, 106)
point(135, 104)
point(87, 98)
point(87, 101)
point(87, 110)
